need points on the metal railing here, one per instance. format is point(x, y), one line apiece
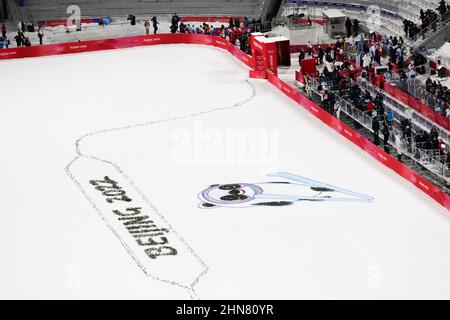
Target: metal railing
point(416, 89)
point(433, 160)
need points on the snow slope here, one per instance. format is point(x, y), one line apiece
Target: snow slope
point(56, 244)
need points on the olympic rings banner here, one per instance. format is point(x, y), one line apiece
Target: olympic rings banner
point(88, 46)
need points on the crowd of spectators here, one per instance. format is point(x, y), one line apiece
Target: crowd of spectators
point(20, 38)
point(379, 58)
point(382, 121)
point(426, 140)
point(336, 65)
point(237, 31)
point(337, 72)
point(442, 104)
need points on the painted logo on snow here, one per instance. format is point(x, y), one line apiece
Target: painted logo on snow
point(288, 190)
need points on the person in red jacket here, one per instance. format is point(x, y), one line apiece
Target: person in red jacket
point(380, 80)
point(370, 107)
point(233, 36)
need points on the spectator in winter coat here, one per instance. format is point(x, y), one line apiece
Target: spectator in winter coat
point(175, 21)
point(386, 138)
point(3, 30)
point(147, 27)
point(223, 32)
point(27, 42)
point(183, 28)
point(376, 130)
point(348, 27)
point(326, 100)
point(329, 64)
point(337, 110)
point(442, 7)
point(301, 57)
point(155, 25)
point(320, 55)
point(4, 43)
point(361, 43)
point(355, 27)
point(233, 36)
point(41, 35)
point(309, 49)
point(370, 107)
point(19, 39)
point(231, 24)
point(367, 60)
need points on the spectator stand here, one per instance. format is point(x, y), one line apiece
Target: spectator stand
point(426, 100)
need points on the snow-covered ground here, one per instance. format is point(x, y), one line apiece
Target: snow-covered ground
point(164, 123)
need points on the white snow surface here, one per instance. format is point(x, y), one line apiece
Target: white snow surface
point(54, 244)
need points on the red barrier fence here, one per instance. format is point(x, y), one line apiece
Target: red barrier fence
point(417, 105)
point(87, 46)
